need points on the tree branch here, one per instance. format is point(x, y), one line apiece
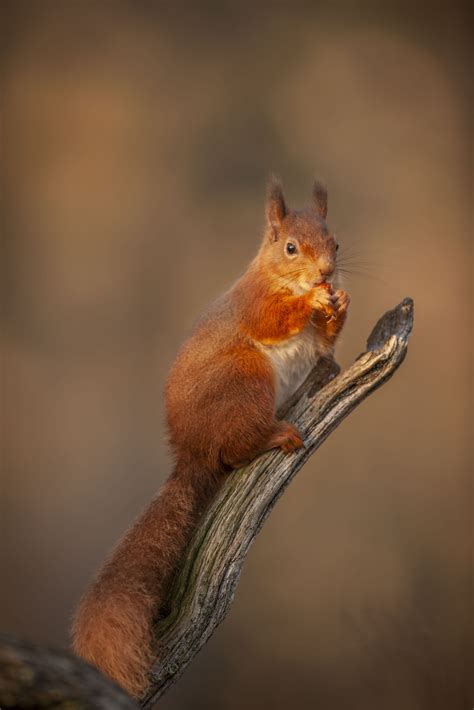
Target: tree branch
point(204, 587)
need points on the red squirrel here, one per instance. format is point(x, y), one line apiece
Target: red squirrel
point(247, 354)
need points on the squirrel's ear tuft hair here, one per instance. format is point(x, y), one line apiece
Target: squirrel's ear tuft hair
point(276, 208)
point(320, 197)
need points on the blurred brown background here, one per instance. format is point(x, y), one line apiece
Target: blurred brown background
point(137, 137)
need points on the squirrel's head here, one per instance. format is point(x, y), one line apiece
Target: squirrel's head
point(298, 249)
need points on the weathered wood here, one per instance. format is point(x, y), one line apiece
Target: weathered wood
point(37, 677)
point(204, 588)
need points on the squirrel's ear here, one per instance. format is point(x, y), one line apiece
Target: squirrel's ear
point(320, 197)
point(276, 207)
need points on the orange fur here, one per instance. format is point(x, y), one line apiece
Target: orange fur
point(221, 413)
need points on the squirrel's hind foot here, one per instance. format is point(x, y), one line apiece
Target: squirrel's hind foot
point(287, 438)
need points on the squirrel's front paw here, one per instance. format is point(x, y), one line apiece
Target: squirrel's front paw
point(323, 299)
point(340, 303)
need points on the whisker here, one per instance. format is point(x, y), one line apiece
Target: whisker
point(353, 261)
point(368, 266)
point(291, 276)
point(362, 274)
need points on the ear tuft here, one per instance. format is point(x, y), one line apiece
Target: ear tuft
point(276, 208)
point(320, 197)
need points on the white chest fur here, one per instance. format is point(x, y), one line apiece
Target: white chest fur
point(292, 361)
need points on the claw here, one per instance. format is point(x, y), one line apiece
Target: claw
point(287, 438)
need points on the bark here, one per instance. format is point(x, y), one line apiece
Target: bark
point(204, 587)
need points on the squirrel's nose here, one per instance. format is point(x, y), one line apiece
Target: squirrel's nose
point(326, 270)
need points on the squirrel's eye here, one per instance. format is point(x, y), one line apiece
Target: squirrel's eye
point(291, 248)
point(337, 247)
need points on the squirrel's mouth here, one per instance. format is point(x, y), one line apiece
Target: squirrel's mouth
point(322, 280)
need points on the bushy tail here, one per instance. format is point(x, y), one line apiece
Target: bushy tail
point(113, 624)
